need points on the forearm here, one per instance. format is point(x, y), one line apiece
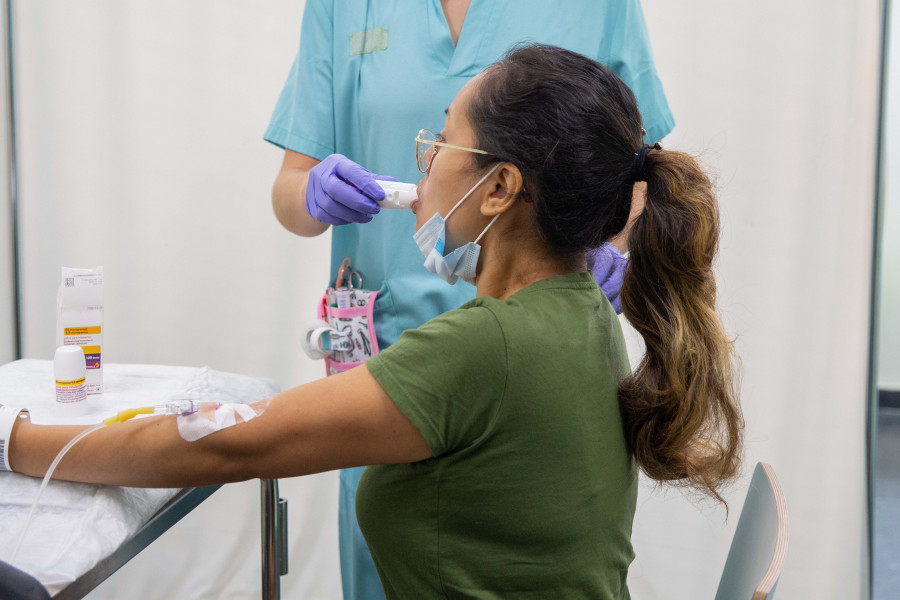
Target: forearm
point(289, 203)
point(140, 453)
point(342, 421)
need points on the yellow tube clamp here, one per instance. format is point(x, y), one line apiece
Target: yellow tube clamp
point(130, 413)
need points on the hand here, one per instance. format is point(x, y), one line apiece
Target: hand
point(339, 191)
point(608, 266)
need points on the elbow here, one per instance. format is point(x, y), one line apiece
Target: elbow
point(217, 460)
point(230, 462)
point(229, 465)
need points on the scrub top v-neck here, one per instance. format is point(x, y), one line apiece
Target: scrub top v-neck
point(460, 59)
point(370, 74)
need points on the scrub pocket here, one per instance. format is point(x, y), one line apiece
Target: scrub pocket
point(384, 311)
point(353, 330)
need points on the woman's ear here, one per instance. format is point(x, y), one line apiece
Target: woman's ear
point(506, 185)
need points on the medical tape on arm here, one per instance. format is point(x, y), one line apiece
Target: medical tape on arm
point(216, 417)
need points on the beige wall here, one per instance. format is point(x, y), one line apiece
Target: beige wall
point(889, 317)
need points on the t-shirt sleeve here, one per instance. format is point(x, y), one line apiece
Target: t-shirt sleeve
point(630, 56)
point(303, 119)
point(448, 377)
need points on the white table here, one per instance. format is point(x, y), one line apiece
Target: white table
point(100, 528)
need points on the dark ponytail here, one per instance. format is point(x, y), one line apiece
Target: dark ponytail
point(573, 129)
point(680, 409)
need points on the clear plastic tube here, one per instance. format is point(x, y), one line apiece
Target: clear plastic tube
point(52, 468)
point(178, 405)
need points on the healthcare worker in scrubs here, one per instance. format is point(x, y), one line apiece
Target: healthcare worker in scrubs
point(367, 76)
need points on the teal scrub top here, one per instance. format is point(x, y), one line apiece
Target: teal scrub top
point(371, 73)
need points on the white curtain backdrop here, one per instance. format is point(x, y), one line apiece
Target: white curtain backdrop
point(7, 275)
point(780, 98)
point(141, 150)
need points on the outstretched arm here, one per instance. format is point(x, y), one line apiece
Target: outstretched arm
point(340, 421)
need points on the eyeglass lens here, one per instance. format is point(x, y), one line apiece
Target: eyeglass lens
point(425, 149)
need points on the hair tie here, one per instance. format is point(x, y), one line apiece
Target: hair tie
point(637, 169)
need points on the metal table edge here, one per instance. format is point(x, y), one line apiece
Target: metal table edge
point(173, 511)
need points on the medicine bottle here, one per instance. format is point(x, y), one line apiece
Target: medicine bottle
point(69, 372)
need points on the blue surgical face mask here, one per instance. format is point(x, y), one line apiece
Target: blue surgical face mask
point(462, 261)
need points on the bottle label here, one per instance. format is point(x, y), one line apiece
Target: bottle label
point(70, 390)
point(89, 338)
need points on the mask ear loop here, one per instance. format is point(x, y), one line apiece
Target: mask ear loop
point(469, 193)
point(497, 216)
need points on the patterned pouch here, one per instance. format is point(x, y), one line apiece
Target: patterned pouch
point(344, 334)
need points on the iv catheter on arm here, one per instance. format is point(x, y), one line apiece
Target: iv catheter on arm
point(179, 406)
point(332, 423)
point(176, 406)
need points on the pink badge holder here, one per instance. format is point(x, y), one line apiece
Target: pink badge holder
point(344, 332)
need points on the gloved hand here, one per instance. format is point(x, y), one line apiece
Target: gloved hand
point(608, 266)
point(339, 191)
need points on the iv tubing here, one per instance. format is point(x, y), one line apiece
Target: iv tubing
point(130, 413)
point(46, 480)
point(119, 417)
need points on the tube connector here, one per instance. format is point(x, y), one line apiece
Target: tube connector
point(180, 405)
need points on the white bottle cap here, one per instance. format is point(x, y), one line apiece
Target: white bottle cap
point(397, 194)
point(68, 363)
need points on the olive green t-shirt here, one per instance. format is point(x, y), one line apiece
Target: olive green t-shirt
point(531, 492)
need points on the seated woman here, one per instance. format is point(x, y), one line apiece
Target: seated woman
point(505, 437)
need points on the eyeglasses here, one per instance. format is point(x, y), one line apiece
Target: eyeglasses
point(427, 145)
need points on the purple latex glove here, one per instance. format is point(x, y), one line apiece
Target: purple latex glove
point(608, 266)
point(339, 191)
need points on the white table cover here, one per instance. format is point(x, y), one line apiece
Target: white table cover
point(78, 525)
